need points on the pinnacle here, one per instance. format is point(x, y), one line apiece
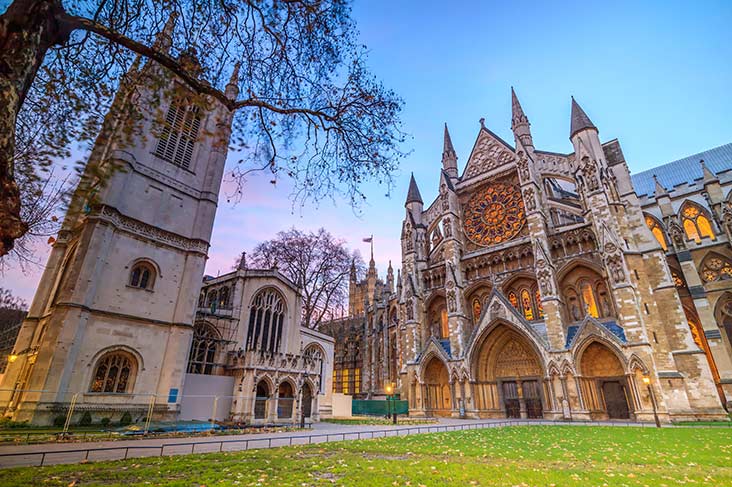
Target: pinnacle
point(413, 195)
point(517, 112)
point(580, 120)
point(447, 143)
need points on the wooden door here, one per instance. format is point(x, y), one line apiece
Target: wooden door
point(532, 399)
point(615, 401)
point(511, 399)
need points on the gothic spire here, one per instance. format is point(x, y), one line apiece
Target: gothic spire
point(580, 120)
point(353, 270)
point(520, 122)
point(232, 87)
point(413, 195)
point(449, 156)
point(164, 39)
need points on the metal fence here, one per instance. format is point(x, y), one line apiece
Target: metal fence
point(123, 452)
point(28, 415)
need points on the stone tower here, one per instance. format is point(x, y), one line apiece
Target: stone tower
point(114, 310)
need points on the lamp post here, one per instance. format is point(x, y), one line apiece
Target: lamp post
point(647, 382)
point(390, 391)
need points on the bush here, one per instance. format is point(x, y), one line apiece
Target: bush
point(105, 422)
point(59, 421)
point(125, 419)
point(86, 419)
point(6, 422)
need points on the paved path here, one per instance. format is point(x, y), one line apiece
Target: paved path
point(56, 453)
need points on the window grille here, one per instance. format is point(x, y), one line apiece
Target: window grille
point(178, 135)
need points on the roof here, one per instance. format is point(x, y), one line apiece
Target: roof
point(580, 120)
point(685, 170)
point(413, 195)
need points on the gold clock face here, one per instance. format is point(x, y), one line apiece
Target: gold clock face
point(494, 215)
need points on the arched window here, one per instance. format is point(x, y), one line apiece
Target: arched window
point(526, 306)
point(266, 319)
point(477, 308)
point(224, 298)
point(444, 328)
point(513, 299)
point(212, 300)
point(202, 358)
point(142, 276)
point(696, 222)
point(655, 227)
point(114, 373)
point(178, 134)
point(539, 307)
point(716, 268)
point(586, 294)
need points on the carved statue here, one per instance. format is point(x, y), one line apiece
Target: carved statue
point(451, 301)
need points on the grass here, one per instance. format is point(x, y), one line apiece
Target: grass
point(526, 456)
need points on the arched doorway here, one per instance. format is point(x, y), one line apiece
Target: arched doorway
point(437, 400)
point(261, 399)
point(285, 399)
point(603, 382)
point(509, 376)
point(307, 401)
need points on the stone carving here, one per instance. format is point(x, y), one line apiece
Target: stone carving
point(447, 225)
point(488, 154)
point(615, 267)
point(523, 167)
point(587, 175)
point(139, 228)
point(529, 199)
point(497, 310)
point(451, 301)
point(545, 282)
point(410, 308)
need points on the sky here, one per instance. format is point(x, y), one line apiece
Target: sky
point(655, 75)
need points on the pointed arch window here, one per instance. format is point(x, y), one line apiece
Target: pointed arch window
point(526, 307)
point(204, 346)
point(114, 373)
point(513, 299)
point(539, 307)
point(266, 320)
point(179, 133)
point(655, 227)
point(477, 308)
point(444, 328)
point(696, 222)
point(716, 268)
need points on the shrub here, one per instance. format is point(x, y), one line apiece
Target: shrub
point(86, 419)
point(125, 419)
point(105, 422)
point(59, 421)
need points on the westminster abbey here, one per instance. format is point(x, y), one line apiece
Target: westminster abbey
point(551, 285)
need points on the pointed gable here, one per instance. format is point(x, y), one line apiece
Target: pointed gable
point(489, 152)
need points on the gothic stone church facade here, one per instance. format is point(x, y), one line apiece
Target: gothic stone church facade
point(540, 284)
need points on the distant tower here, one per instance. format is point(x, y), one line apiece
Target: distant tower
point(113, 313)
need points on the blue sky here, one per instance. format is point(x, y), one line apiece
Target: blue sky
point(655, 75)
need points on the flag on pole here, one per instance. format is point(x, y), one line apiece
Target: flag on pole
point(368, 239)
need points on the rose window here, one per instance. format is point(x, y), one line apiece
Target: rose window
point(494, 215)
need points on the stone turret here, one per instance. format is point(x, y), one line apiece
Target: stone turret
point(449, 156)
point(520, 125)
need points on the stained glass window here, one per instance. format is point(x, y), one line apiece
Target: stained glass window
point(588, 299)
point(526, 305)
point(477, 308)
point(696, 223)
point(443, 324)
point(539, 307)
point(716, 268)
point(657, 231)
point(346, 390)
point(114, 373)
point(513, 299)
point(494, 215)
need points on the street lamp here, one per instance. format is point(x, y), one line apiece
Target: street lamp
point(647, 382)
point(389, 391)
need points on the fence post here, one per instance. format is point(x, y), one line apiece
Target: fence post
point(72, 405)
point(213, 413)
point(149, 414)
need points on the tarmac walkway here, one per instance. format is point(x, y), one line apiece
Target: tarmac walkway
point(57, 453)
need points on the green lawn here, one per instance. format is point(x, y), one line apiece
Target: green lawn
point(523, 456)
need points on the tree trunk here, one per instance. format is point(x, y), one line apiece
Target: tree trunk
point(27, 30)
